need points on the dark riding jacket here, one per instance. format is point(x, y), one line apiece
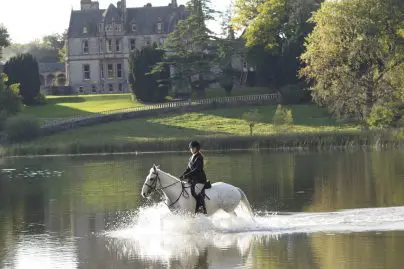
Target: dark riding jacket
point(194, 172)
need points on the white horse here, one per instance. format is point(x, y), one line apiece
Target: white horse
point(178, 194)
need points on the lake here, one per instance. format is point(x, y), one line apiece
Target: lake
point(313, 210)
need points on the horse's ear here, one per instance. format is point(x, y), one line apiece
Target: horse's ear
point(158, 166)
point(154, 167)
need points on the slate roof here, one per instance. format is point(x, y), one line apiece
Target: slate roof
point(145, 18)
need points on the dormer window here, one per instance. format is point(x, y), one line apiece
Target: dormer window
point(134, 28)
point(85, 29)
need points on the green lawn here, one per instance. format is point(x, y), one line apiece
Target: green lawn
point(80, 105)
point(222, 122)
point(61, 107)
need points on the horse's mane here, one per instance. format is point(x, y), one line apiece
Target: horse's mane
point(168, 174)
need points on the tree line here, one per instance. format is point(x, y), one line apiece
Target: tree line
point(346, 55)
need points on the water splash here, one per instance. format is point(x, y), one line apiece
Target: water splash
point(155, 234)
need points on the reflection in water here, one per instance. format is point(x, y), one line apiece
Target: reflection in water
point(44, 252)
point(76, 213)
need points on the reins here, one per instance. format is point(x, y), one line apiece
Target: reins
point(183, 193)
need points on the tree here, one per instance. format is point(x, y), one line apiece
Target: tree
point(10, 101)
point(252, 117)
point(4, 39)
point(228, 47)
point(191, 50)
point(282, 116)
point(274, 31)
point(353, 55)
point(23, 69)
point(146, 85)
point(56, 42)
point(50, 48)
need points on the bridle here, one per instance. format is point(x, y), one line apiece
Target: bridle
point(153, 188)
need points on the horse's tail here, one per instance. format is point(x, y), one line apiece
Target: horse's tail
point(246, 203)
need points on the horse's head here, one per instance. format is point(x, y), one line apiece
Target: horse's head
point(150, 183)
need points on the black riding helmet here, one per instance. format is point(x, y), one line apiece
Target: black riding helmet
point(195, 144)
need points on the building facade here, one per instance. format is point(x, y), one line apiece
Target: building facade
point(100, 41)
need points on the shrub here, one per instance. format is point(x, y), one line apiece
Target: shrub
point(282, 116)
point(386, 115)
point(227, 84)
point(148, 84)
point(252, 117)
point(22, 128)
point(40, 99)
point(23, 69)
point(295, 94)
point(226, 81)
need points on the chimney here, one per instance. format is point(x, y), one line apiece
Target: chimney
point(88, 5)
point(85, 4)
point(124, 11)
point(174, 3)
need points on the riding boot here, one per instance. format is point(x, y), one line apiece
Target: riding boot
point(200, 205)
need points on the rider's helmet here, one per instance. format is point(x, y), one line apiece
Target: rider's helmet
point(195, 144)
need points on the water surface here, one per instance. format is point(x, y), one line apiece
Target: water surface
point(313, 210)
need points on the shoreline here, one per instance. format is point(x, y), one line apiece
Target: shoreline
point(289, 142)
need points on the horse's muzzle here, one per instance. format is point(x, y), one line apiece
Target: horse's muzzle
point(146, 194)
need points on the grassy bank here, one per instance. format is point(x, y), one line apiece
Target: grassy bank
point(289, 141)
point(217, 129)
point(59, 107)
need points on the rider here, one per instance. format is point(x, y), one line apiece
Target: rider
point(195, 174)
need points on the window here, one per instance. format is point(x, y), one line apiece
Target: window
point(133, 27)
point(147, 41)
point(161, 40)
point(110, 71)
point(118, 45)
point(120, 87)
point(100, 45)
point(94, 88)
point(85, 46)
point(102, 70)
point(100, 27)
point(119, 70)
point(81, 89)
point(86, 72)
point(159, 27)
point(85, 29)
point(109, 45)
point(111, 87)
point(132, 44)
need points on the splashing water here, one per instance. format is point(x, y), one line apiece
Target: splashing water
point(155, 233)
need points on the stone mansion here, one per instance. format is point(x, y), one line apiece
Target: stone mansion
point(99, 42)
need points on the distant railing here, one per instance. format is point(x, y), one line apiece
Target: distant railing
point(150, 110)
